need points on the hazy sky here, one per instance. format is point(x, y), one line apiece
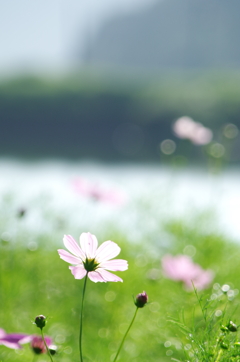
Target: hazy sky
point(43, 34)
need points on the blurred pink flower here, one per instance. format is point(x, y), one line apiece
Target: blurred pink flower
point(97, 193)
point(13, 340)
point(186, 128)
point(181, 268)
point(38, 345)
point(93, 261)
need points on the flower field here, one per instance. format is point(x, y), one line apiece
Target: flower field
point(181, 274)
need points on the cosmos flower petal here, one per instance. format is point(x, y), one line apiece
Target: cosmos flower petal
point(109, 277)
point(114, 265)
point(2, 333)
point(178, 267)
point(26, 339)
point(182, 268)
point(69, 258)
point(13, 345)
point(17, 338)
point(88, 260)
point(95, 277)
point(186, 127)
point(107, 250)
point(89, 244)
point(201, 281)
point(78, 271)
point(14, 340)
point(73, 246)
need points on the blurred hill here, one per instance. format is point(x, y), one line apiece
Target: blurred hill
point(171, 34)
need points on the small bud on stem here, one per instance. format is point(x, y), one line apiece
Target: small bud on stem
point(232, 327)
point(141, 300)
point(53, 349)
point(40, 321)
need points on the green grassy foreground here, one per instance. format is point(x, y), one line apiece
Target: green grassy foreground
point(171, 326)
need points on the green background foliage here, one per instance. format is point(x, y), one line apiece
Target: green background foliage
point(78, 116)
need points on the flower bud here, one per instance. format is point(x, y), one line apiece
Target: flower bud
point(232, 327)
point(52, 349)
point(224, 345)
point(224, 328)
point(141, 300)
point(40, 321)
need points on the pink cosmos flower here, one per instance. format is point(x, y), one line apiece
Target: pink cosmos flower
point(187, 128)
point(97, 193)
point(38, 345)
point(91, 260)
point(181, 268)
point(13, 340)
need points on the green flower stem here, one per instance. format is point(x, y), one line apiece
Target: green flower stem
point(125, 335)
point(220, 352)
point(81, 319)
point(46, 346)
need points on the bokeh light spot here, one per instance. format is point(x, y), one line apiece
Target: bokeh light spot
point(68, 350)
point(154, 274)
point(103, 332)
point(123, 327)
point(141, 260)
point(130, 348)
point(6, 236)
point(230, 131)
point(218, 313)
point(32, 246)
point(189, 250)
point(110, 296)
point(216, 286)
point(60, 338)
point(216, 150)
point(230, 294)
point(225, 288)
point(167, 344)
point(168, 147)
point(154, 307)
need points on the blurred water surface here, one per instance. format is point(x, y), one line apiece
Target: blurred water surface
point(134, 199)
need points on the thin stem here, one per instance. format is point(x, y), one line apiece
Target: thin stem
point(46, 346)
point(200, 303)
point(219, 355)
point(125, 335)
point(81, 319)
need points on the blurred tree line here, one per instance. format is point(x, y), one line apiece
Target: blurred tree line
point(113, 118)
